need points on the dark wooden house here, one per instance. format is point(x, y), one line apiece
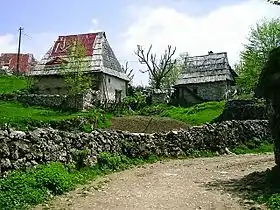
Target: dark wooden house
point(204, 78)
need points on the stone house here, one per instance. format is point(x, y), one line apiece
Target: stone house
point(8, 62)
point(108, 77)
point(204, 78)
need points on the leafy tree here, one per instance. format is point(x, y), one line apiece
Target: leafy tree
point(75, 69)
point(264, 37)
point(276, 2)
point(159, 70)
point(269, 86)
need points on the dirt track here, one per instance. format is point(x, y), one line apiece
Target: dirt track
point(176, 184)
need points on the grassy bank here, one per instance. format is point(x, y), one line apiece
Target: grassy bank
point(9, 84)
point(195, 115)
point(22, 117)
point(20, 190)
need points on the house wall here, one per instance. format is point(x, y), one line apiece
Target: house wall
point(51, 84)
point(183, 97)
point(109, 85)
point(212, 91)
point(54, 84)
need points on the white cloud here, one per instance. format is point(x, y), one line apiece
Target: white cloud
point(7, 43)
point(224, 29)
point(95, 26)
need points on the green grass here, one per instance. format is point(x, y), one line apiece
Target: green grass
point(21, 190)
point(263, 147)
point(195, 115)
point(23, 117)
point(9, 84)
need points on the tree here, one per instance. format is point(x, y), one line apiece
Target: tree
point(75, 69)
point(159, 70)
point(128, 72)
point(276, 2)
point(269, 85)
point(264, 37)
point(173, 75)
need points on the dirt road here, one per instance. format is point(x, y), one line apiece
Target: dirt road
point(176, 184)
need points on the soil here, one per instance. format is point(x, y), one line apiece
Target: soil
point(201, 183)
point(145, 124)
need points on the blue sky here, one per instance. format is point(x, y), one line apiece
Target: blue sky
point(128, 23)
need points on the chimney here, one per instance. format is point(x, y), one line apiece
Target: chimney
point(210, 52)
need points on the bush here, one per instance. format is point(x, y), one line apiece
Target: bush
point(136, 102)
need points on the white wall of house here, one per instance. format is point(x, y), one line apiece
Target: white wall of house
point(110, 85)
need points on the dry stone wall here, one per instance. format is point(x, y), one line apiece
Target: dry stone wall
point(79, 102)
point(243, 110)
point(19, 150)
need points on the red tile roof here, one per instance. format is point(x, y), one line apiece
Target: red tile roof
point(10, 60)
point(63, 43)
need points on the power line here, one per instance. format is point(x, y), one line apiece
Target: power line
point(29, 37)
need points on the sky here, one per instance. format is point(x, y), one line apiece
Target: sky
point(192, 26)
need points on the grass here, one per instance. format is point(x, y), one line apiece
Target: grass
point(21, 117)
point(24, 189)
point(263, 147)
point(9, 84)
point(195, 115)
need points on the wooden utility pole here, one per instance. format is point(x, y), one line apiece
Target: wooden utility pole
point(19, 44)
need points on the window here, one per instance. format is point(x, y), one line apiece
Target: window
point(118, 95)
point(109, 80)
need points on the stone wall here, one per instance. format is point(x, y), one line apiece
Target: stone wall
point(19, 149)
point(210, 91)
point(79, 102)
point(243, 110)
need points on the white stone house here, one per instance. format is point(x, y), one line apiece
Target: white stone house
point(107, 74)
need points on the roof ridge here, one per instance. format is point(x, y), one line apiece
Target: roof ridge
point(99, 32)
point(207, 54)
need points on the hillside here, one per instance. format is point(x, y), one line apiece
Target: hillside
point(9, 84)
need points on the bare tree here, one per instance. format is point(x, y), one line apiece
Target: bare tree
point(128, 72)
point(158, 69)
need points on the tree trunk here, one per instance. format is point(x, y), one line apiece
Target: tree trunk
point(275, 129)
point(274, 116)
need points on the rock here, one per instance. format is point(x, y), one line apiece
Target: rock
point(5, 164)
point(17, 135)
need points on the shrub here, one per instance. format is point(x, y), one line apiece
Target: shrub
point(136, 102)
point(274, 202)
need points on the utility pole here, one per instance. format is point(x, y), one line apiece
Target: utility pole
point(19, 44)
